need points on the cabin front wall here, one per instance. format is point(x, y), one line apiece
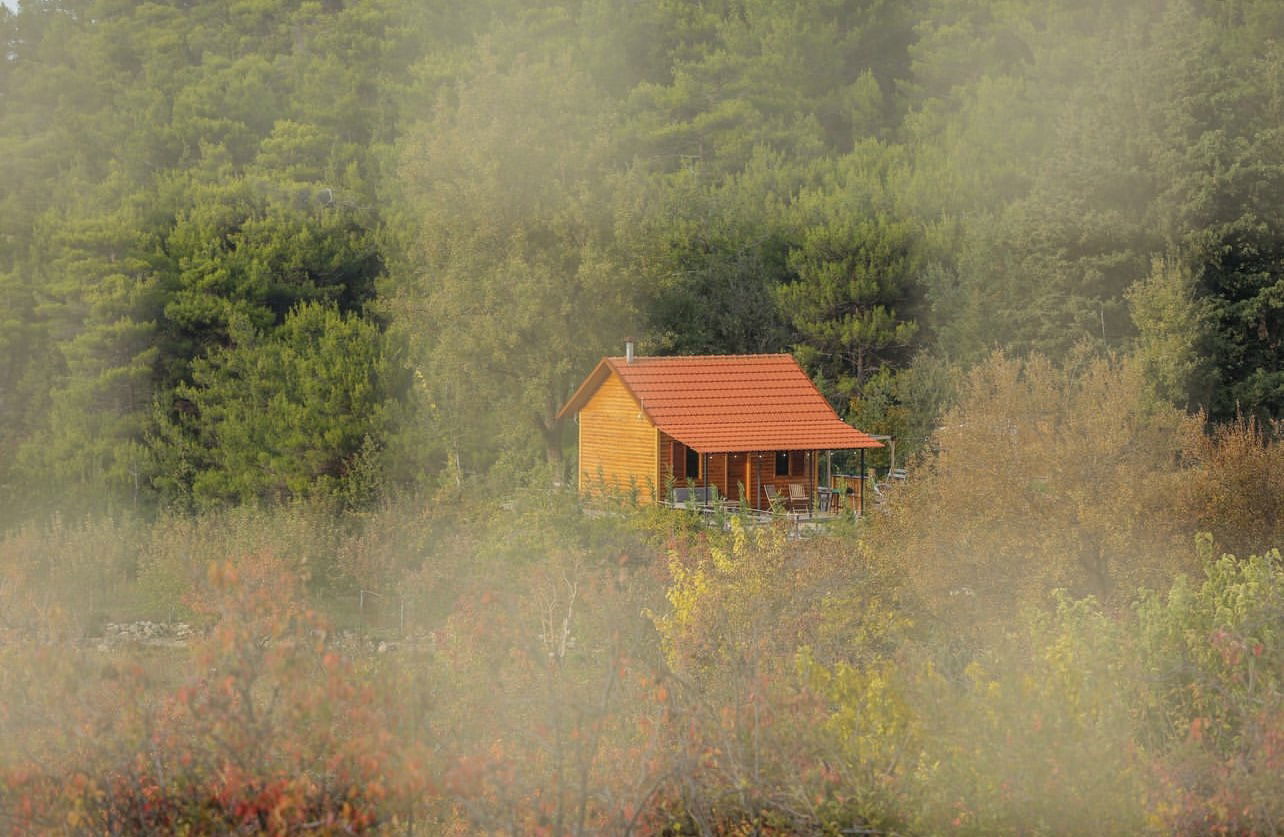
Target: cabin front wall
point(802, 469)
point(738, 476)
point(726, 471)
point(618, 451)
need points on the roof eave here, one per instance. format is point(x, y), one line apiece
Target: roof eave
point(757, 447)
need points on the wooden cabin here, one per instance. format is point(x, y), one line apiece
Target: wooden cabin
point(739, 423)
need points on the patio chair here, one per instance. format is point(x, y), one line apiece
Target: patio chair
point(798, 499)
point(774, 500)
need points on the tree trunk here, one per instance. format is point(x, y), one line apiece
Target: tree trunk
point(551, 430)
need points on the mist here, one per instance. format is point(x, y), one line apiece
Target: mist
point(293, 536)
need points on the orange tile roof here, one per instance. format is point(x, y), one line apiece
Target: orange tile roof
point(729, 403)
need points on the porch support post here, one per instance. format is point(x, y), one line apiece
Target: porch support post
point(813, 477)
point(860, 503)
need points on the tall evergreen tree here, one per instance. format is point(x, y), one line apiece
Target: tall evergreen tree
point(856, 266)
point(517, 292)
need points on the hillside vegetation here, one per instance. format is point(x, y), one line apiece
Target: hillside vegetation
point(456, 666)
point(291, 293)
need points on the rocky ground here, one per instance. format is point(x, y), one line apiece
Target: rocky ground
point(162, 634)
point(179, 634)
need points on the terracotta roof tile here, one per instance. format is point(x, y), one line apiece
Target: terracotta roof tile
point(730, 403)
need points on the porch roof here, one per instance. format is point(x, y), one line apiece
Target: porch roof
point(729, 403)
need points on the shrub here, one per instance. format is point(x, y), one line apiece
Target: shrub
point(272, 728)
point(1047, 477)
point(1234, 485)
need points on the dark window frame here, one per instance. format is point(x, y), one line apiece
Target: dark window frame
point(783, 457)
point(693, 458)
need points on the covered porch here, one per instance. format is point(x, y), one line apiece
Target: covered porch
point(790, 481)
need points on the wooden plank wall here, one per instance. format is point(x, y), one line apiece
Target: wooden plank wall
point(727, 472)
point(618, 444)
point(666, 472)
point(802, 469)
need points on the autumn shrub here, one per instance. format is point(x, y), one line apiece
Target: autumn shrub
point(524, 699)
point(744, 728)
point(1213, 709)
point(1047, 477)
point(271, 729)
point(546, 694)
point(1234, 484)
point(60, 579)
point(1167, 716)
point(632, 673)
point(1029, 730)
point(804, 698)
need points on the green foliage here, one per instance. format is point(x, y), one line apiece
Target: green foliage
point(1212, 651)
point(710, 256)
point(102, 293)
point(254, 250)
point(283, 415)
point(907, 405)
point(1173, 333)
point(855, 267)
point(514, 189)
point(801, 79)
point(516, 291)
point(172, 170)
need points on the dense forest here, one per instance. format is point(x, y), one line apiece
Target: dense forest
point(205, 208)
point(291, 292)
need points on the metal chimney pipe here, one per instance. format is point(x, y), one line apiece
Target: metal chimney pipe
point(628, 350)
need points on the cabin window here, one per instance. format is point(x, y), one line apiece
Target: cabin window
point(686, 463)
point(782, 463)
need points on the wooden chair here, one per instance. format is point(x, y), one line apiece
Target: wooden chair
point(798, 499)
point(774, 500)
